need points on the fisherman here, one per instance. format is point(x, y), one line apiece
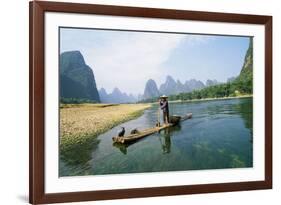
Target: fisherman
point(165, 108)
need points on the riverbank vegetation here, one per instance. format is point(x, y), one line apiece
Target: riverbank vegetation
point(80, 124)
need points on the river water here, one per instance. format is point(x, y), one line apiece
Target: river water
point(218, 136)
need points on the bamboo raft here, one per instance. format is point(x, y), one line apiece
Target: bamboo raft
point(149, 131)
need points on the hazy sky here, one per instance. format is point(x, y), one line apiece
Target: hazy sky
point(127, 59)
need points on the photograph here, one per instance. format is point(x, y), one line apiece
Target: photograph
point(133, 101)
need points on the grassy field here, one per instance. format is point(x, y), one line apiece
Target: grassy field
point(80, 124)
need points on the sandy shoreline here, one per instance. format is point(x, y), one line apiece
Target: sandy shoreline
point(91, 119)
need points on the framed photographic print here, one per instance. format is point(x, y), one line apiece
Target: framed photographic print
point(139, 102)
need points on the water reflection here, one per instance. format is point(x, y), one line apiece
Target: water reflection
point(245, 108)
point(218, 136)
point(77, 158)
point(166, 143)
point(164, 137)
point(121, 147)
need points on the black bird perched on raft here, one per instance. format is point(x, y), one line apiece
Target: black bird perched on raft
point(135, 131)
point(122, 132)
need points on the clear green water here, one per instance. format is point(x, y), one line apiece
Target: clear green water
point(218, 136)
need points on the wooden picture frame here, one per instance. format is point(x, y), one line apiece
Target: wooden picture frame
point(37, 11)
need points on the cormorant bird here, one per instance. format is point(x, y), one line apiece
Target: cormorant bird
point(122, 132)
point(135, 131)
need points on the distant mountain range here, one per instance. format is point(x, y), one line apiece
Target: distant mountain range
point(234, 87)
point(77, 81)
point(172, 87)
point(116, 96)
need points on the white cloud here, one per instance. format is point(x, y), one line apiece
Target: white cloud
point(128, 62)
point(127, 59)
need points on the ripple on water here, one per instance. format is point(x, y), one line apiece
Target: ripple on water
point(218, 136)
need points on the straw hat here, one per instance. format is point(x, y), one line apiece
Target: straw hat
point(163, 96)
